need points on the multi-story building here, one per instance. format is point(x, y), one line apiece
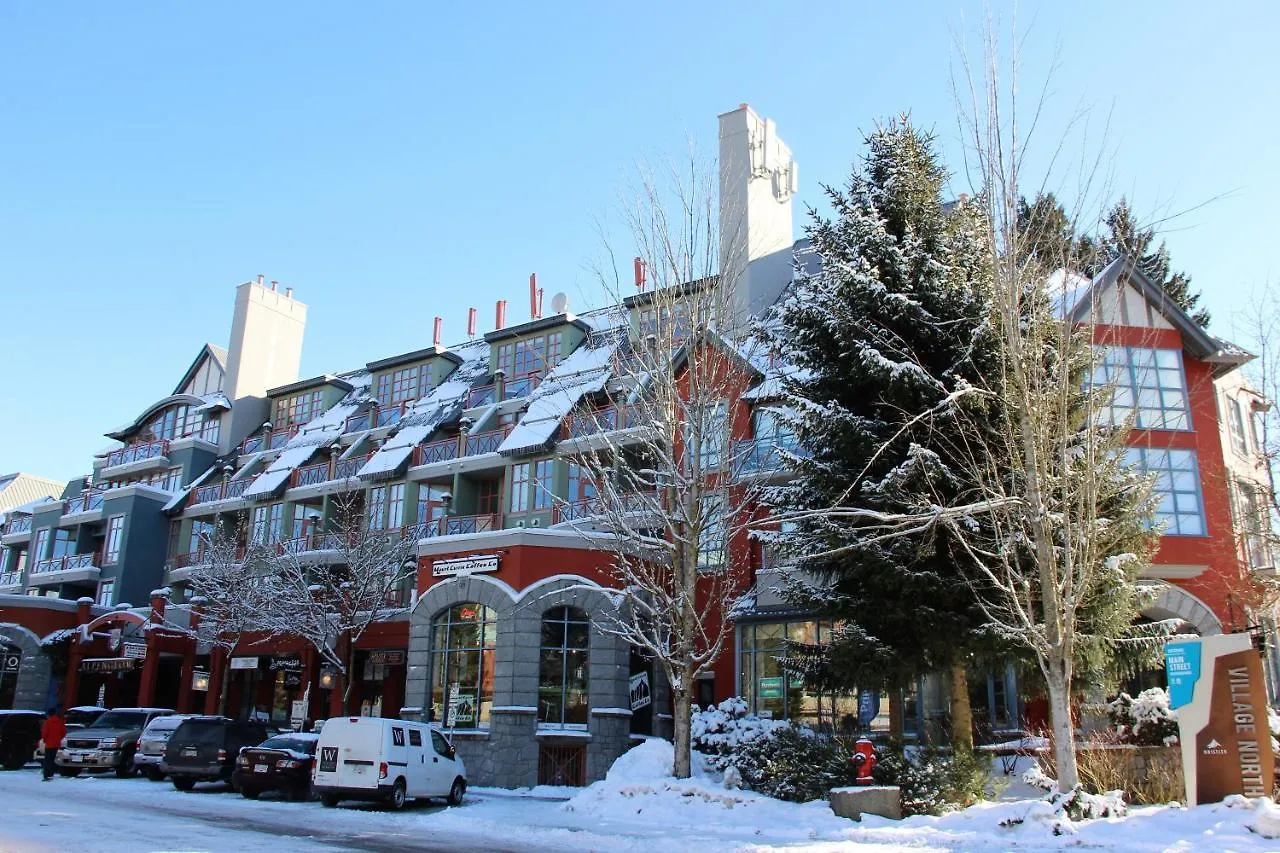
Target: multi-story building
point(472, 453)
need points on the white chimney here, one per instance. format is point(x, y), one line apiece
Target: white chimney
point(758, 178)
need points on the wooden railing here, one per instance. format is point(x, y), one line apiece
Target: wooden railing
point(344, 468)
point(271, 441)
point(136, 452)
point(220, 491)
point(83, 503)
point(21, 524)
point(486, 442)
point(63, 564)
point(436, 451)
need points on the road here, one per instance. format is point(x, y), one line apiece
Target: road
point(92, 814)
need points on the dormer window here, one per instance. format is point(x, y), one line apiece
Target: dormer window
point(299, 409)
point(399, 386)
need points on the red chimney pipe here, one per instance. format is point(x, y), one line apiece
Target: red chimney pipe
point(640, 273)
point(534, 313)
point(500, 318)
point(435, 334)
point(471, 322)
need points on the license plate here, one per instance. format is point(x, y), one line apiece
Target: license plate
point(190, 752)
point(259, 768)
point(79, 756)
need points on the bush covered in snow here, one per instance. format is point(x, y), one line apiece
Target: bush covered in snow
point(721, 730)
point(933, 781)
point(1146, 720)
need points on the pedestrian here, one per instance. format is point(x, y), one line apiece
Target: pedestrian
point(51, 734)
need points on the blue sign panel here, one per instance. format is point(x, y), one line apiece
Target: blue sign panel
point(1182, 666)
point(868, 706)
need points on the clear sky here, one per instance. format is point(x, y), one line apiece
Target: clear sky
point(395, 161)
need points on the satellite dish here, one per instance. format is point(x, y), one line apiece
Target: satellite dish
point(560, 303)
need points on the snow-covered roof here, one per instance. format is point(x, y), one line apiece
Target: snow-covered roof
point(443, 404)
point(584, 371)
point(212, 402)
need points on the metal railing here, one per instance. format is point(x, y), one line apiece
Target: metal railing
point(201, 556)
point(22, 524)
point(82, 503)
point(318, 542)
point(584, 423)
point(63, 564)
point(8, 579)
point(764, 455)
point(220, 491)
point(309, 475)
point(272, 441)
point(136, 452)
point(486, 442)
point(454, 525)
point(344, 468)
point(595, 507)
point(436, 451)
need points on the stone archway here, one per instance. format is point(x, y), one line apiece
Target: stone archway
point(1174, 602)
point(34, 670)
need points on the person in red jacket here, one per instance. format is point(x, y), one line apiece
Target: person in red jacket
point(52, 733)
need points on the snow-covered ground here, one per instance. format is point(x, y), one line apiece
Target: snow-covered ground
point(638, 807)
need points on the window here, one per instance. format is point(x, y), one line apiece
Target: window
point(711, 541)
point(258, 533)
point(63, 544)
point(415, 737)
point(531, 357)
point(1235, 421)
point(395, 505)
point(519, 488)
point(462, 643)
point(544, 483)
point(106, 593)
point(430, 502)
point(1177, 485)
point(201, 536)
point(172, 480)
point(276, 526)
point(111, 548)
point(562, 668)
point(298, 409)
point(772, 692)
point(40, 549)
point(581, 487)
point(440, 745)
point(378, 508)
point(714, 425)
point(487, 495)
point(1253, 523)
point(1146, 383)
point(668, 324)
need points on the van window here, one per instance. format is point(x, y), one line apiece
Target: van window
point(397, 736)
point(441, 745)
point(415, 737)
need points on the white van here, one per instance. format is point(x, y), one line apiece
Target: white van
point(372, 758)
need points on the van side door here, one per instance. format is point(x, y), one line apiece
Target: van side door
point(441, 764)
point(418, 755)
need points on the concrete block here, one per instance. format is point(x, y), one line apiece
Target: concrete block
point(854, 802)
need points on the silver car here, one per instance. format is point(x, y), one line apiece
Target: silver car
point(152, 743)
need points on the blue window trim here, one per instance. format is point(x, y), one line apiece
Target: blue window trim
point(1195, 456)
point(1133, 386)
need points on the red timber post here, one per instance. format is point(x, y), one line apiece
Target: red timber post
point(71, 688)
point(217, 663)
point(188, 670)
point(310, 679)
point(147, 684)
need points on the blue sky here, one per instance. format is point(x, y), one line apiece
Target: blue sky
point(395, 161)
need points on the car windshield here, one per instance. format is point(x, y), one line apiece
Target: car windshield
point(82, 718)
point(163, 724)
point(121, 720)
point(296, 744)
point(201, 731)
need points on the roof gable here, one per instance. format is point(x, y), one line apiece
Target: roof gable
point(205, 374)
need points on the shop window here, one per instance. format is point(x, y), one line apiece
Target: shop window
point(462, 643)
point(562, 668)
point(772, 692)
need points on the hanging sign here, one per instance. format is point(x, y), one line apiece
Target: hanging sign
point(1216, 686)
point(244, 663)
point(10, 661)
point(641, 694)
point(464, 566)
point(134, 650)
point(108, 664)
point(293, 663)
point(386, 657)
point(868, 706)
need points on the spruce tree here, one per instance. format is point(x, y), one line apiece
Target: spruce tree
point(887, 337)
point(1125, 235)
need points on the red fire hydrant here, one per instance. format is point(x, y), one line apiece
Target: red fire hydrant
point(864, 761)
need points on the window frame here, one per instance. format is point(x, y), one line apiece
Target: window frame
point(1126, 377)
point(1143, 457)
point(518, 493)
point(485, 651)
point(114, 539)
point(565, 617)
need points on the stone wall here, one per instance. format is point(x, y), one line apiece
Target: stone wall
point(32, 691)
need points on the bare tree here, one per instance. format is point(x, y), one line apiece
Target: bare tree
point(1262, 330)
point(667, 503)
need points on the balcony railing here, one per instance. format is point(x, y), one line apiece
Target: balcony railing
point(136, 452)
point(436, 451)
point(310, 475)
point(482, 396)
point(8, 579)
point(344, 468)
point(379, 416)
point(521, 386)
point(83, 503)
point(271, 441)
point(486, 442)
point(453, 525)
point(202, 556)
point(318, 542)
point(21, 524)
point(63, 564)
point(764, 455)
point(595, 507)
point(581, 424)
point(220, 491)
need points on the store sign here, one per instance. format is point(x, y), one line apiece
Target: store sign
point(1216, 686)
point(464, 566)
point(100, 665)
point(10, 661)
point(451, 714)
point(386, 657)
point(641, 695)
point(868, 706)
point(293, 664)
point(244, 663)
point(770, 688)
point(134, 650)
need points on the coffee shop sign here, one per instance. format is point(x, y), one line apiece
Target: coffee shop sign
point(464, 566)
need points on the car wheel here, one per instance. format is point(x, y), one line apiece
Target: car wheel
point(397, 798)
point(183, 784)
point(69, 771)
point(125, 769)
point(300, 794)
point(250, 793)
point(329, 801)
point(155, 774)
point(455, 793)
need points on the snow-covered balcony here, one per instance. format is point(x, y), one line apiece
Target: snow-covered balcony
point(436, 451)
point(17, 530)
point(379, 417)
point(181, 566)
point(10, 581)
point(68, 569)
point(136, 459)
point(480, 450)
point(220, 491)
point(597, 429)
point(271, 441)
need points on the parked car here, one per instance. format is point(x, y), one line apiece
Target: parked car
point(204, 749)
point(108, 744)
point(19, 737)
point(280, 763)
point(151, 744)
point(371, 758)
point(83, 716)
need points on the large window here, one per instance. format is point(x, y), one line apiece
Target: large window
point(535, 355)
point(1146, 383)
point(1235, 422)
point(115, 531)
point(711, 540)
point(378, 508)
point(201, 536)
point(1180, 510)
point(1254, 523)
point(275, 530)
point(63, 543)
point(408, 383)
point(772, 692)
point(258, 533)
point(299, 409)
point(462, 642)
point(713, 421)
point(544, 483)
point(562, 668)
point(395, 505)
point(40, 549)
point(431, 502)
point(519, 488)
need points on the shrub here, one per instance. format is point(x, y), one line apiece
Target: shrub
point(794, 764)
point(721, 730)
point(932, 780)
point(1146, 720)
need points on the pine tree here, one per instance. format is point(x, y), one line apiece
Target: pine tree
point(888, 337)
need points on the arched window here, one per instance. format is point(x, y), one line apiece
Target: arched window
point(562, 673)
point(462, 642)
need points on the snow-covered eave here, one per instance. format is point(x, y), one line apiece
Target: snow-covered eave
point(123, 433)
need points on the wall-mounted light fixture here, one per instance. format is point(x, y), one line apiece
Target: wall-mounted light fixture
point(328, 678)
point(200, 680)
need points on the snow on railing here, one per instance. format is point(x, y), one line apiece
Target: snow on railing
point(67, 563)
point(137, 452)
point(593, 507)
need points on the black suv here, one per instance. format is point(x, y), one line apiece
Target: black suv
point(204, 749)
point(19, 737)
